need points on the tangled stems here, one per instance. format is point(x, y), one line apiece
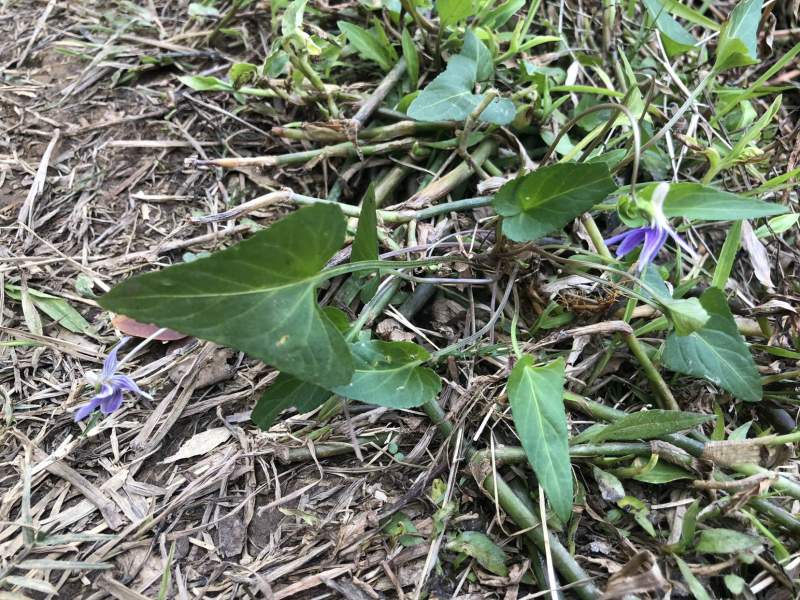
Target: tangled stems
point(518, 510)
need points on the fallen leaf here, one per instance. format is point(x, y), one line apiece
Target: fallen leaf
point(758, 255)
point(200, 443)
point(213, 370)
point(133, 327)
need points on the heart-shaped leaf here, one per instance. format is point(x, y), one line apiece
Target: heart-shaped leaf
point(450, 96)
point(687, 315)
point(550, 197)
point(390, 374)
point(258, 296)
point(537, 405)
point(716, 352)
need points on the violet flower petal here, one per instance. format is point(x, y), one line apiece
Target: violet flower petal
point(109, 405)
point(653, 242)
point(110, 363)
point(87, 409)
point(680, 241)
point(634, 238)
point(616, 239)
point(123, 382)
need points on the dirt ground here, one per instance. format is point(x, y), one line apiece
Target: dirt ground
point(182, 491)
point(182, 496)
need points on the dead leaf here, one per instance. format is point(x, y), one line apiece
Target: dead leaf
point(391, 330)
point(231, 533)
point(133, 327)
point(640, 574)
point(214, 370)
point(200, 443)
point(735, 452)
point(758, 255)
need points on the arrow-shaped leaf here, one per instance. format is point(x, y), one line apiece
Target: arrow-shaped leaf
point(258, 296)
point(450, 95)
point(537, 405)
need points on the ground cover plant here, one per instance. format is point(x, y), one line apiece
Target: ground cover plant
point(400, 299)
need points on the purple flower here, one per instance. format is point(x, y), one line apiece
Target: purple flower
point(108, 387)
point(653, 237)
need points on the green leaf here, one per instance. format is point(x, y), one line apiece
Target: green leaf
point(292, 28)
point(54, 307)
point(689, 526)
point(735, 584)
point(727, 256)
point(697, 201)
point(477, 52)
point(663, 473)
point(202, 10)
point(499, 15)
point(687, 315)
point(676, 39)
point(693, 16)
point(450, 96)
point(697, 589)
point(481, 547)
point(725, 541)
point(242, 73)
point(258, 296)
point(549, 198)
point(411, 55)
point(537, 405)
point(286, 391)
point(367, 44)
point(777, 225)
point(751, 134)
point(650, 424)
point(716, 352)
point(365, 244)
point(390, 374)
point(738, 39)
point(201, 83)
point(454, 11)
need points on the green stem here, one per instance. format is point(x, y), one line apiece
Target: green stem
point(343, 150)
point(527, 520)
point(382, 133)
point(693, 447)
point(673, 120)
point(520, 513)
point(447, 183)
point(663, 394)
